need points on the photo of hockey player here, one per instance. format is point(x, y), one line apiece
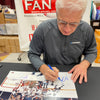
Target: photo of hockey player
point(37, 88)
point(4, 95)
point(27, 90)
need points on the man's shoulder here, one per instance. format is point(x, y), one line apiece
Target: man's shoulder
point(45, 27)
point(51, 23)
point(85, 29)
point(84, 26)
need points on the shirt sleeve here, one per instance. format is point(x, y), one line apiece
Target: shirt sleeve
point(36, 48)
point(90, 52)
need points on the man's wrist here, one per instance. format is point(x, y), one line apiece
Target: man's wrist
point(42, 68)
point(85, 63)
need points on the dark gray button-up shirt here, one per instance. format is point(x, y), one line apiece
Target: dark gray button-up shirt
point(59, 49)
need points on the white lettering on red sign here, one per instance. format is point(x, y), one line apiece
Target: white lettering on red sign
point(39, 6)
point(27, 4)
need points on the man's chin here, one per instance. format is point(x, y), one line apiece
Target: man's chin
point(67, 34)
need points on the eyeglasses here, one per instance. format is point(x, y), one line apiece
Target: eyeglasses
point(63, 23)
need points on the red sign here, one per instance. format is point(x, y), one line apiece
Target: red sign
point(38, 6)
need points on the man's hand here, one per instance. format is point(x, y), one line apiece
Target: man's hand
point(80, 70)
point(49, 74)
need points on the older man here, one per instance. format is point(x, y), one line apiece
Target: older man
point(63, 41)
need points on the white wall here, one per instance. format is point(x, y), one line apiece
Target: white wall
point(86, 16)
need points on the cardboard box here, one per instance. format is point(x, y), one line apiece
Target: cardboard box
point(12, 42)
point(3, 30)
point(17, 41)
point(9, 44)
point(2, 49)
point(10, 20)
point(2, 42)
point(13, 49)
point(2, 18)
point(8, 50)
point(97, 4)
point(18, 49)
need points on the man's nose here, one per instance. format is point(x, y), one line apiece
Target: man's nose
point(67, 28)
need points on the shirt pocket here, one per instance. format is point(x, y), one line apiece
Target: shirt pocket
point(75, 49)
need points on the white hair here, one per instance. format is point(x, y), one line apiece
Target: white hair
point(72, 5)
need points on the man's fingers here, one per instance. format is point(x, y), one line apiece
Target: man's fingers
point(85, 78)
point(55, 69)
point(50, 77)
point(74, 74)
point(75, 77)
point(53, 73)
point(48, 73)
point(81, 78)
point(72, 70)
